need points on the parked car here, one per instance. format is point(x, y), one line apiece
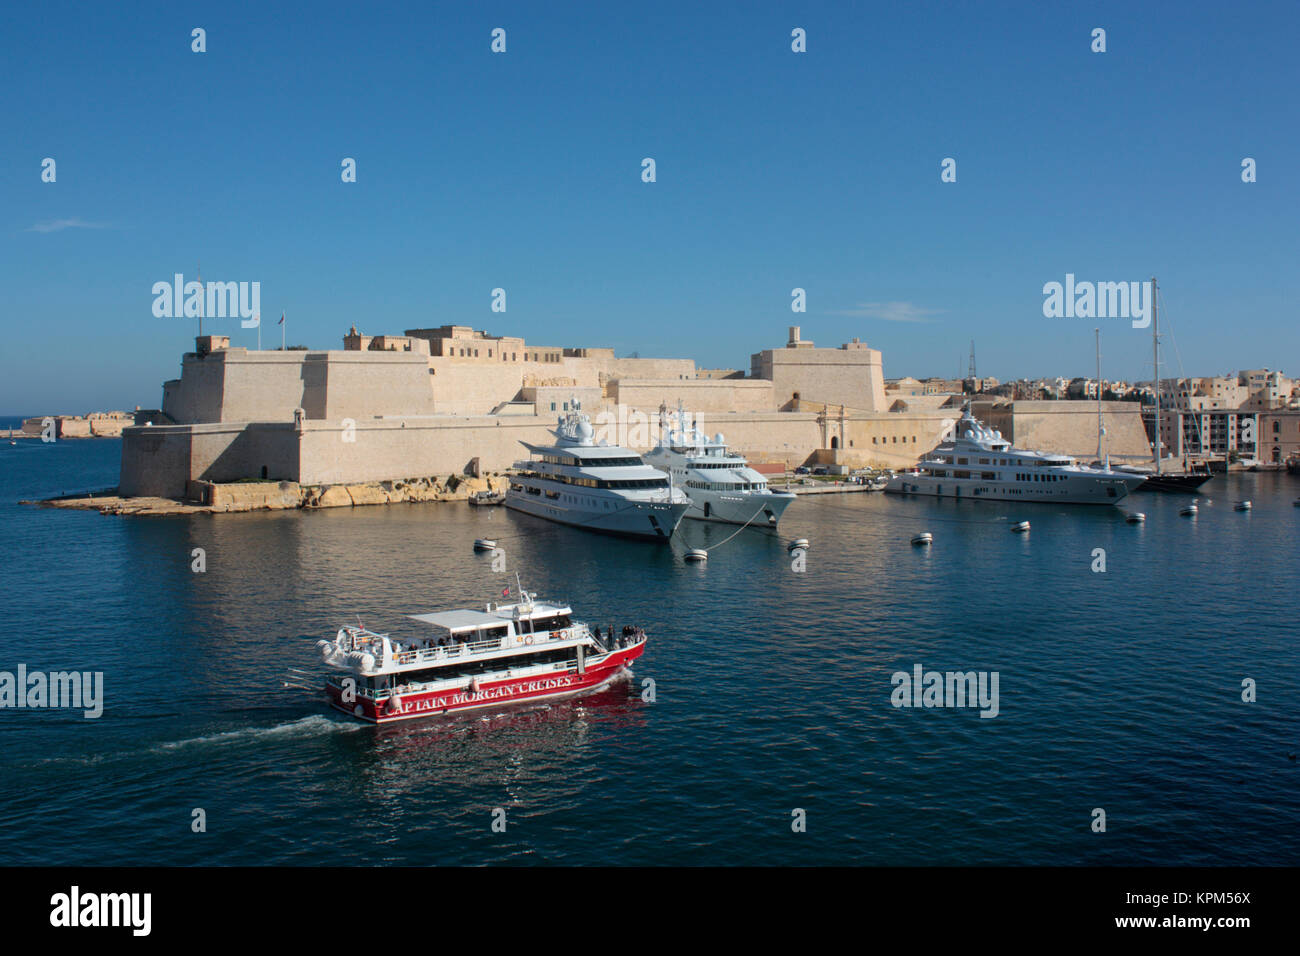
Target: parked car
point(819, 470)
point(801, 470)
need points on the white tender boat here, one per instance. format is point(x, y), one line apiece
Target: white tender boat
point(721, 485)
point(978, 463)
point(600, 487)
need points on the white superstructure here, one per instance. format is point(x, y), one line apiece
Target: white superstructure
point(977, 462)
point(720, 484)
point(597, 486)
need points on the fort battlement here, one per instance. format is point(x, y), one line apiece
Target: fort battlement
point(454, 399)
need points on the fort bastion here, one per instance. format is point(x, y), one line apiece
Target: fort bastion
point(455, 400)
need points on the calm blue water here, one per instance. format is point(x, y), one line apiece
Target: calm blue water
point(1118, 690)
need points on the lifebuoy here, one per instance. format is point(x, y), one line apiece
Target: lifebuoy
point(528, 639)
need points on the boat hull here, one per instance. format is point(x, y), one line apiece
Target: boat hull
point(650, 520)
point(756, 510)
point(492, 692)
point(1174, 482)
point(1075, 490)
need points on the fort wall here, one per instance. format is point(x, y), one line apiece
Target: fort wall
point(1068, 427)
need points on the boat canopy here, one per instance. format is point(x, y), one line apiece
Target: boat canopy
point(460, 620)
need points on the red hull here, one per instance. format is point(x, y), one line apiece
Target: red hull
point(491, 693)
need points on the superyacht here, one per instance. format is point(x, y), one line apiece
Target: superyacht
point(720, 483)
point(595, 485)
point(979, 463)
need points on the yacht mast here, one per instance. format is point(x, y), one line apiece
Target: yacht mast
point(1101, 430)
point(1155, 361)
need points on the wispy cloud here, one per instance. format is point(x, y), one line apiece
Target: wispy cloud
point(889, 311)
point(58, 225)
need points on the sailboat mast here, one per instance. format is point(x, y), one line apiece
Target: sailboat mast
point(1100, 430)
point(1155, 361)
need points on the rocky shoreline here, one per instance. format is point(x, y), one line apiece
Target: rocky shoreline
point(208, 497)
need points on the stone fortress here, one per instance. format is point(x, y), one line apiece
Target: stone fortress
point(455, 400)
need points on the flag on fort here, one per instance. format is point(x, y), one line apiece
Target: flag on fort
point(281, 322)
point(505, 592)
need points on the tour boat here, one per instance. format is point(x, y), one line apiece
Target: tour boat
point(524, 652)
point(720, 483)
point(595, 485)
point(978, 463)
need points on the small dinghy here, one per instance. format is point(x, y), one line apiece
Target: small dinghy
point(1242, 506)
point(1189, 511)
point(484, 544)
point(1020, 527)
point(1135, 517)
point(923, 538)
point(798, 543)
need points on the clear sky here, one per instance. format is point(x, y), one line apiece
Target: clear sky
point(522, 170)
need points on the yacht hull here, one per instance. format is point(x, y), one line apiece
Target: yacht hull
point(756, 510)
point(1184, 483)
point(1075, 490)
point(649, 520)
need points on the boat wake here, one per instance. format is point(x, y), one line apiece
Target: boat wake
point(314, 726)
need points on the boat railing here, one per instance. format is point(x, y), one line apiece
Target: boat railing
point(360, 639)
point(454, 652)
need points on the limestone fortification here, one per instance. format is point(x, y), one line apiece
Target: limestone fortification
point(454, 400)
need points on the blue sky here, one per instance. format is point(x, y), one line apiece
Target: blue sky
point(523, 171)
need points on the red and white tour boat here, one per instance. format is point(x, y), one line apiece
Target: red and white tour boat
point(508, 653)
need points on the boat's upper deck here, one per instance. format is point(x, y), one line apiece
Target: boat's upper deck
point(461, 635)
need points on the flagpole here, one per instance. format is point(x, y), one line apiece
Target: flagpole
point(282, 328)
point(259, 332)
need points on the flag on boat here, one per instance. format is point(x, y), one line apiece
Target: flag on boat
point(505, 592)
